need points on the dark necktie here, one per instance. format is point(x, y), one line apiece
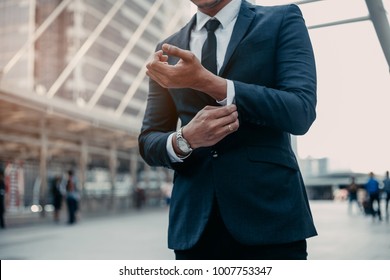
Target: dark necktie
point(209, 49)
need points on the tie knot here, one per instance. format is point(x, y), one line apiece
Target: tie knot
point(212, 25)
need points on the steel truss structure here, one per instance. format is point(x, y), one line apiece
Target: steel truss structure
point(72, 79)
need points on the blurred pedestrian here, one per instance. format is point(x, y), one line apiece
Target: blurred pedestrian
point(353, 195)
point(386, 189)
point(139, 197)
point(166, 190)
point(58, 197)
point(72, 197)
point(2, 202)
point(373, 191)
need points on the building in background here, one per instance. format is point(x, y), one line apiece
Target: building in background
point(73, 85)
point(312, 167)
point(92, 52)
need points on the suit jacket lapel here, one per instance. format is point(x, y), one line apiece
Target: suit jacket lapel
point(244, 19)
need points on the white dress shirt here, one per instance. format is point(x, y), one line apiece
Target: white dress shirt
point(227, 18)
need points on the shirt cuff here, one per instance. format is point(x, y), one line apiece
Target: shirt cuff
point(171, 152)
point(230, 94)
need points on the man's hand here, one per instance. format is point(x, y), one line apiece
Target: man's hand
point(187, 73)
point(210, 125)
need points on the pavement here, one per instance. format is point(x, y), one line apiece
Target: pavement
point(347, 236)
point(142, 235)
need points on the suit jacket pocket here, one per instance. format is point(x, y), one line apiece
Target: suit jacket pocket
point(273, 155)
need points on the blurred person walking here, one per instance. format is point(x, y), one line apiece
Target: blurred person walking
point(139, 197)
point(353, 195)
point(72, 197)
point(2, 199)
point(58, 197)
point(373, 191)
point(166, 190)
point(386, 189)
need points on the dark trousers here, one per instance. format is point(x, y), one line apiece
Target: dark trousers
point(217, 243)
point(387, 203)
point(2, 211)
point(72, 205)
point(2, 222)
point(374, 197)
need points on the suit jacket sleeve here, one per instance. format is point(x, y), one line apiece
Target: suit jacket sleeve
point(159, 122)
point(289, 104)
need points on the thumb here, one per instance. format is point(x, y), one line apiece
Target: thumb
point(176, 51)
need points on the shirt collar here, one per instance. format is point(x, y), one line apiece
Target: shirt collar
point(225, 16)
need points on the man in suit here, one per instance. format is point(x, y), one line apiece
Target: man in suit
point(238, 192)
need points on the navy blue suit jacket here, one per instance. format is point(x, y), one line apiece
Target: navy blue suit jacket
point(253, 173)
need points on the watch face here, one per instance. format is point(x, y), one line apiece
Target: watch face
point(183, 146)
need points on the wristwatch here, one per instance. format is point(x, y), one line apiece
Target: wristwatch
point(182, 144)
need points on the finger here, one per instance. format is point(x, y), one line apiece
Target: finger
point(175, 51)
point(222, 125)
point(232, 127)
point(164, 58)
point(157, 55)
point(153, 61)
point(231, 107)
point(158, 58)
point(158, 68)
point(231, 120)
point(225, 111)
point(209, 107)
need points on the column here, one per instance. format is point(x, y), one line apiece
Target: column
point(113, 166)
point(43, 167)
point(83, 163)
point(133, 172)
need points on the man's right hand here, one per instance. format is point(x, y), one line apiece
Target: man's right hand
point(188, 72)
